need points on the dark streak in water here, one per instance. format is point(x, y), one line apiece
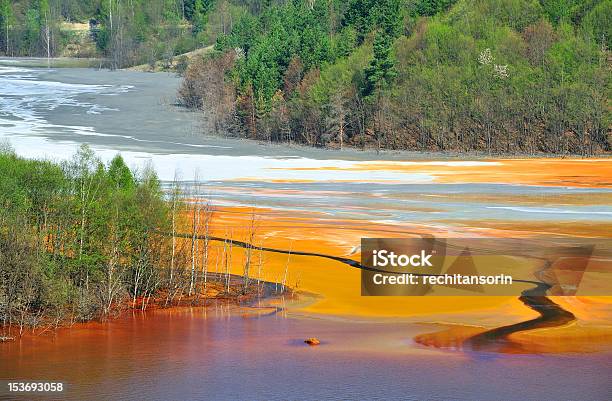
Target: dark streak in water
point(551, 314)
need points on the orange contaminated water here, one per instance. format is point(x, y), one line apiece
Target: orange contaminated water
point(543, 172)
point(336, 286)
point(371, 347)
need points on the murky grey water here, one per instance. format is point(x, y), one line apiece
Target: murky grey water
point(48, 113)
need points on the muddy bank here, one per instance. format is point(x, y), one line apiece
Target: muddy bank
point(145, 116)
point(228, 290)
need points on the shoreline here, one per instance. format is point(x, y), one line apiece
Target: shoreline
point(426, 335)
point(347, 153)
point(496, 340)
point(235, 298)
point(131, 110)
point(416, 155)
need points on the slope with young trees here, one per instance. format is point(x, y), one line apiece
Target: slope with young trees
point(85, 239)
point(125, 32)
point(520, 76)
point(73, 237)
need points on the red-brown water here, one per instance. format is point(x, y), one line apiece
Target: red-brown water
point(217, 353)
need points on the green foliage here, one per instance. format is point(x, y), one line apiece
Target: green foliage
point(32, 28)
point(367, 15)
point(120, 175)
point(43, 10)
point(431, 7)
point(361, 16)
point(381, 71)
point(559, 10)
point(200, 10)
point(338, 77)
point(71, 234)
point(7, 16)
point(446, 45)
point(505, 75)
point(269, 42)
point(344, 42)
point(598, 23)
point(125, 32)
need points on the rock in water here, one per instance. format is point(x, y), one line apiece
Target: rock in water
point(312, 341)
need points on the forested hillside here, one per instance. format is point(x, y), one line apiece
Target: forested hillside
point(487, 75)
point(125, 32)
point(522, 76)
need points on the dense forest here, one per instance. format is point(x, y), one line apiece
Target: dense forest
point(83, 239)
point(518, 76)
point(125, 32)
point(496, 76)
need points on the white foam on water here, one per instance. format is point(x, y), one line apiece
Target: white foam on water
point(92, 132)
point(450, 163)
point(12, 70)
point(212, 167)
point(540, 210)
point(25, 99)
point(31, 136)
